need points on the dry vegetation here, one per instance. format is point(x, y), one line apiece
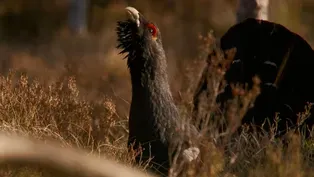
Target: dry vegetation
point(76, 90)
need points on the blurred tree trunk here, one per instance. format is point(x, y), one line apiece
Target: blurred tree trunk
point(257, 9)
point(78, 16)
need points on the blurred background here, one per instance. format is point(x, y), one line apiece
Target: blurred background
point(50, 39)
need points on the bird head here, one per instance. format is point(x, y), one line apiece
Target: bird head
point(139, 38)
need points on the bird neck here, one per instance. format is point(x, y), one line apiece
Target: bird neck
point(149, 77)
point(150, 83)
point(152, 102)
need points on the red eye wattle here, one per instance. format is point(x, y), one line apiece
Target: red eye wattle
point(152, 29)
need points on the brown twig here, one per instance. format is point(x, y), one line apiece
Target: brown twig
point(22, 151)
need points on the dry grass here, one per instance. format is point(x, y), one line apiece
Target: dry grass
point(76, 92)
point(56, 112)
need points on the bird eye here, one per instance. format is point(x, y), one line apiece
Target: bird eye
point(152, 29)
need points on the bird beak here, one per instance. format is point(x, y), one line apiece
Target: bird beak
point(134, 15)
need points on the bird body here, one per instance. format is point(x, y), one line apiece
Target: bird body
point(154, 121)
point(281, 59)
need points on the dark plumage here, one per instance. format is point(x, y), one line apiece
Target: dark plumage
point(284, 62)
point(153, 118)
